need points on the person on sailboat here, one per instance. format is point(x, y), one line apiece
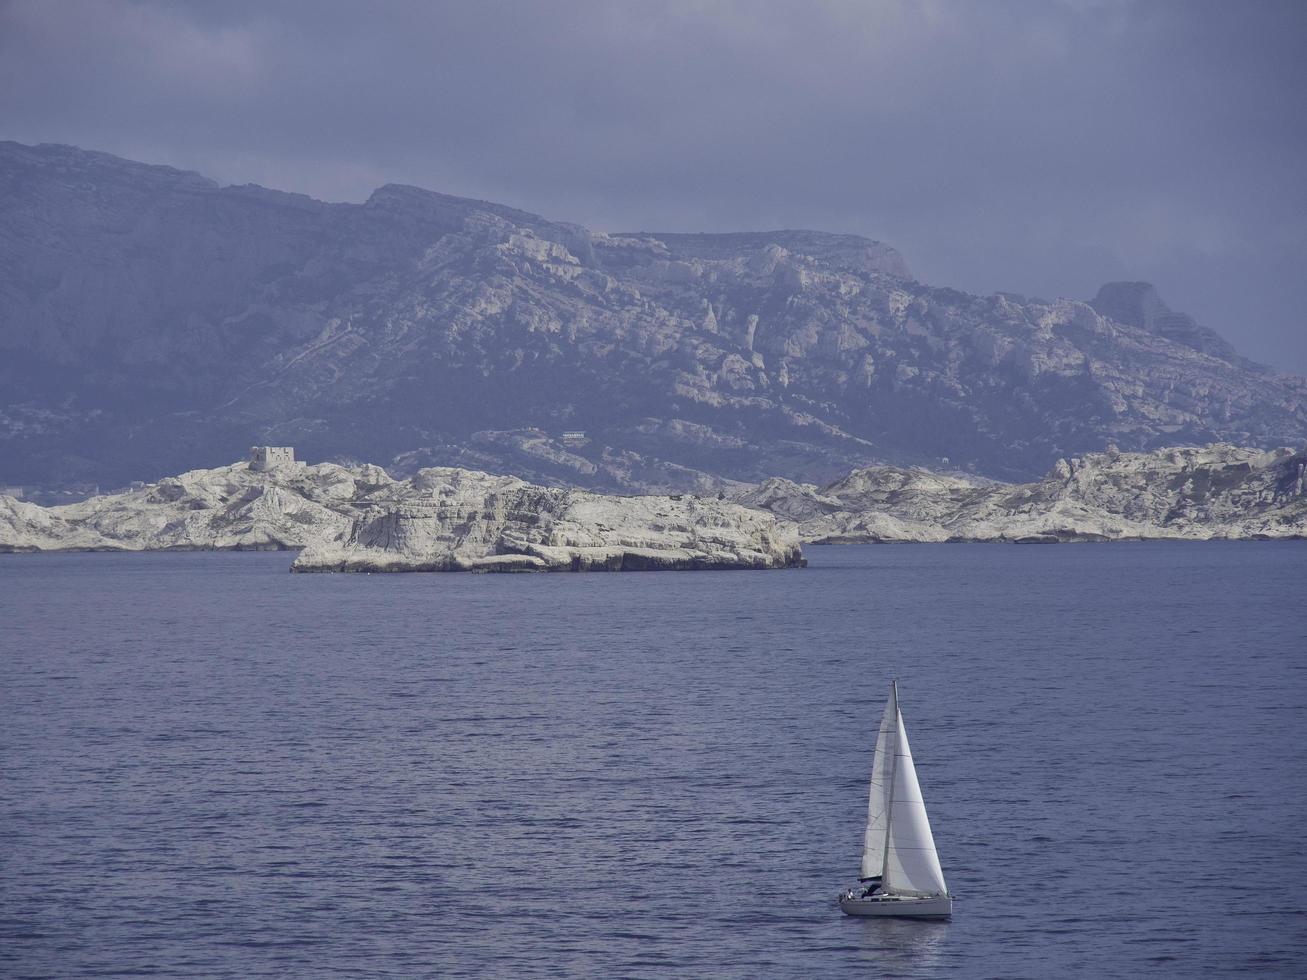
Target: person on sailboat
point(873, 886)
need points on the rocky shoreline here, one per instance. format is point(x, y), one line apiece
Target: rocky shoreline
point(1190, 494)
point(441, 519)
point(360, 519)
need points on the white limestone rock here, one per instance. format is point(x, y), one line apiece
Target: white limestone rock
point(237, 507)
point(456, 520)
point(1218, 491)
point(359, 519)
point(442, 518)
point(28, 527)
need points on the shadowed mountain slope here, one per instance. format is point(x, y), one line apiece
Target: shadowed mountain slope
point(151, 319)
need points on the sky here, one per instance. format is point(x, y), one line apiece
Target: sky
point(1039, 147)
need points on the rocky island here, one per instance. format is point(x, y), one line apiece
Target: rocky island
point(1218, 491)
point(358, 518)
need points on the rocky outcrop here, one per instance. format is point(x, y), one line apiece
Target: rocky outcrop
point(442, 519)
point(229, 508)
point(1138, 304)
point(1219, 491)
point(149, 318)
point(454, 520)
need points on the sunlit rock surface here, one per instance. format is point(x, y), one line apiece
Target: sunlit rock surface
point(359, 519)
point(230, 507)
point(455, 520)
point(1219, 491)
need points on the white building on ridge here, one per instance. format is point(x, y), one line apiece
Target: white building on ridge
point(264, 458)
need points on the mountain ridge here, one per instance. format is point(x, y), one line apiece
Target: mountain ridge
point(151, 319)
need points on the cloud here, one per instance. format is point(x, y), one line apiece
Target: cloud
point(158, 48)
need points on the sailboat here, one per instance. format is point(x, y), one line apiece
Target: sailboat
point(900, 875)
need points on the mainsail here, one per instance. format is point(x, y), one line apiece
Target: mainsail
point(882, 771)
point(899, 845)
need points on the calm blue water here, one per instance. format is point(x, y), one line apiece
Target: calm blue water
point(214, 768)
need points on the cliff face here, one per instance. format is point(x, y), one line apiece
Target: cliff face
point(1219, 491)
point(150, 319)
point(512, 526)
point(359, 519)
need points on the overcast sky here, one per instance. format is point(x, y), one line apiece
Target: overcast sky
point(1041, 147)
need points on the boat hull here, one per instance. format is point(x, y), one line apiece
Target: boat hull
point(900, 907)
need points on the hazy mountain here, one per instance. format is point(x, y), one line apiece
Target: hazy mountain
point(152, 321)
point(1139, 305)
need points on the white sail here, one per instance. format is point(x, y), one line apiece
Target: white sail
point(911, 862)
point(882, 768)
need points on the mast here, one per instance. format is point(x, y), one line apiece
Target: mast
point(893, 768)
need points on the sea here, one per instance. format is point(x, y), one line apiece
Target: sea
point(212, 768)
